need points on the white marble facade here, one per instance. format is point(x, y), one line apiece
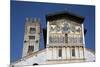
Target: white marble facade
point(65, 44)
point(52, 53)
point(56, 40)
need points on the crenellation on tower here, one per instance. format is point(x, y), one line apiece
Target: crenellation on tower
point(31, 36)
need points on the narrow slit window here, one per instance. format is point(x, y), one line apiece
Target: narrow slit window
point(60, 52)
point(66, 38)
point(73, 52)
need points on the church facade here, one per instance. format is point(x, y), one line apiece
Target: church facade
point(64, 40)
point(65, 37)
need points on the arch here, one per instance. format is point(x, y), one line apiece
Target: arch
point(12, 66)
point(35, 64)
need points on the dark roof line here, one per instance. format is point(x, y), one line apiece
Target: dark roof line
point(64, 14)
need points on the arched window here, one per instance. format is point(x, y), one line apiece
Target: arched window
point(32, 30)
point(31, 37)
point(31, 48)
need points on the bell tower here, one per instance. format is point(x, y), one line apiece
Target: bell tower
point(31, 36)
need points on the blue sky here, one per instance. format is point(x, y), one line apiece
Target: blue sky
point(21, 10)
